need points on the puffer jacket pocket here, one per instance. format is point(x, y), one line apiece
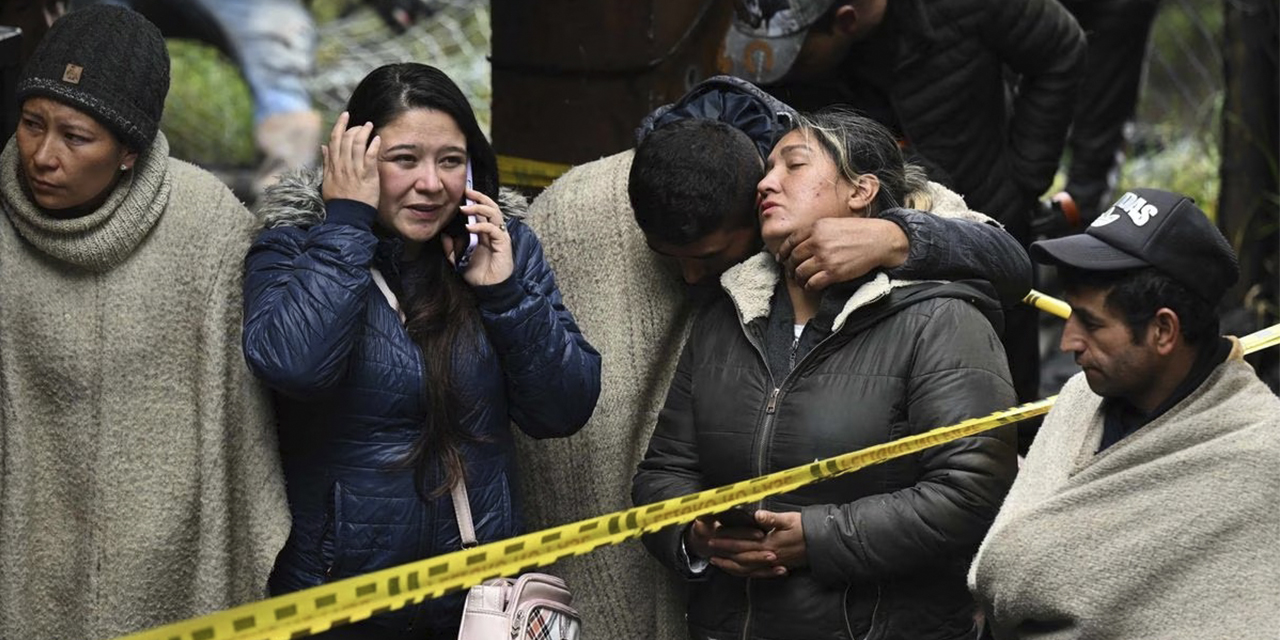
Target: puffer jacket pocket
point(371, 532)
point(328, 543)
point(863, 611)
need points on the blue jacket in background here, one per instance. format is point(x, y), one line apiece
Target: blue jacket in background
point(351, 395)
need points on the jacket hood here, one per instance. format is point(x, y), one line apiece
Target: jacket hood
point(295, 201)
point(733, 101)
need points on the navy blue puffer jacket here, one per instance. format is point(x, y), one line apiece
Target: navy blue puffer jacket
point(351, 398)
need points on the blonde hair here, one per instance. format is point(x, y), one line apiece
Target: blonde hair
point(860, 146)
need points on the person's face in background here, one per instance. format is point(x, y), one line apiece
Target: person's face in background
point(1103, 345)
point(422, 171)
point(827, 46)
point(69, 160)
point(801, 185)
point(703, 261)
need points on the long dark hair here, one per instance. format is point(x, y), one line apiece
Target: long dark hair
point(440, 310)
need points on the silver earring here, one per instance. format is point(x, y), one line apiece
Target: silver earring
point(124, 167)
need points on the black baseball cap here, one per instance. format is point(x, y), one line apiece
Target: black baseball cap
point(1151, 228)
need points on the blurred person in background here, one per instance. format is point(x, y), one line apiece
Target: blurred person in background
point(934, 73)
point(140, 481)
point(273, 42)
point(1118, 32)
point(399, 357)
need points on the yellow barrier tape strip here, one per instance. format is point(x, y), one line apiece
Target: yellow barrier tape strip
point(1263, 339)
point(1257, 341)
point(317, 609)
point(1048, 304)
point(522, 172)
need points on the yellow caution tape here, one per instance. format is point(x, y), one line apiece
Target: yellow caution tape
point(1263, 339)
point(522, 172)
point(317, 609)
point(1256, 341)
point(1048, 304)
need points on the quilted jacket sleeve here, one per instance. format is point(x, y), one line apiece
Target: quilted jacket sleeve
point(670, 467)
point(553, 374)
point(957, 249)
point(958, 372)
point(1043, 43)
point(304, 293)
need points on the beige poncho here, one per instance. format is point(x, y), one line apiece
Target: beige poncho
point(139, 477)
point(1174, 532)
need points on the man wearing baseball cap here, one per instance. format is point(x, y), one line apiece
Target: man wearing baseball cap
point(1146, 507)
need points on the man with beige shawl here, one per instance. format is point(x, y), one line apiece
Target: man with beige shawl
point(1147, 504)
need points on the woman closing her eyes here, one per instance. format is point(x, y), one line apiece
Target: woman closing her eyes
point(776, 376)
point(397, 371)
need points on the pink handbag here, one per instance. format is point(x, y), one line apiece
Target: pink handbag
point(535, 606)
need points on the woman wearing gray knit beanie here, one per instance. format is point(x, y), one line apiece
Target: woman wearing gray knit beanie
point(139, 476)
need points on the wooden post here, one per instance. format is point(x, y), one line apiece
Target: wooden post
point(1249, 201)
point(572, 79)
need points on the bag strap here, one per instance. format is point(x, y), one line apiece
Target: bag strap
point(386, 292)
point(462, 511)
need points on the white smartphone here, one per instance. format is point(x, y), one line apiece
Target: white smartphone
point(472, 239)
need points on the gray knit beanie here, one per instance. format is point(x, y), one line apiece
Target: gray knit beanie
point(107, 61)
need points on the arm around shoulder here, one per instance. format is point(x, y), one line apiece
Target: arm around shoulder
point(954, 248)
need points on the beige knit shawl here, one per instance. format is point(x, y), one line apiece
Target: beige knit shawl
point(1174, 532)
point(139, 477)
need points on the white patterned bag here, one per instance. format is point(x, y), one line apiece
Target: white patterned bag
point(535, 606)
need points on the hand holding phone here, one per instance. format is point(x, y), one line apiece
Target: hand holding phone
point(738, 518)
point(472, 239)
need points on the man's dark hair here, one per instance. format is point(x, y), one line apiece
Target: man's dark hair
point(1137, 294)
point(692, 177)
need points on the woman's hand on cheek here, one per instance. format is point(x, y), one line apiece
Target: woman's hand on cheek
point(351, 163)
point(492, 261)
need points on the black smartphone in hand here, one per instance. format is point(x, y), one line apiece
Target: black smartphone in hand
point(738, 517)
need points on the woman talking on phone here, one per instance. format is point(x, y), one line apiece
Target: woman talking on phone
point(398, 370)
point(775, 376)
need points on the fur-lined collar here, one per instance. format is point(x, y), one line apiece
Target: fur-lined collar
point(295, 201)
point(751, 285)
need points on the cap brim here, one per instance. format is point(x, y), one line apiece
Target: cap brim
point(1084, 251)
point(762, 60)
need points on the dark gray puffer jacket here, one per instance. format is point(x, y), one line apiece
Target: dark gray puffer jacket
point(887, 546)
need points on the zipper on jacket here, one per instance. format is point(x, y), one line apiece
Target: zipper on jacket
point(766, 428)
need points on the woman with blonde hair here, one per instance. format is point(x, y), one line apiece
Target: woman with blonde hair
point(776, 376)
